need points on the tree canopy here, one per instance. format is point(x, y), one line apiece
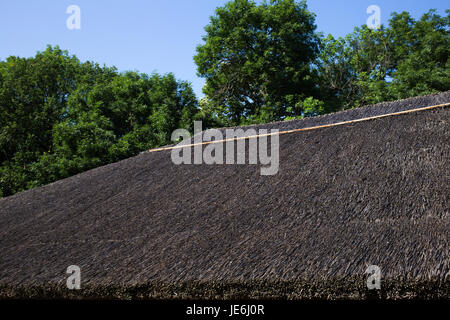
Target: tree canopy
point(257, 60)
point(267, 62)
point(59, 117)
point(404, 59)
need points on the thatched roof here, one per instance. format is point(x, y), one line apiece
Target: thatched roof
point(346, 197)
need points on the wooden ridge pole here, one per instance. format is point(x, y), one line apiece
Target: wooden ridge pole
point(303, 129)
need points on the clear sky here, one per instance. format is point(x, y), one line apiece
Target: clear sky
point(156, 35)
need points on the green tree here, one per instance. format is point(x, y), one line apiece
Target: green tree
point(59, 117)
point(405, 59)
point(422, 51)
point(257, 60)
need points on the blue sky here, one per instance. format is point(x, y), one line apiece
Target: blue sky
point(156, 35)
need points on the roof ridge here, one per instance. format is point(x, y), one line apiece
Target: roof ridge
point(365, 107)
point(180, 146)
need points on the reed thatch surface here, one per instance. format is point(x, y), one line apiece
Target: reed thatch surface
point(369, 193)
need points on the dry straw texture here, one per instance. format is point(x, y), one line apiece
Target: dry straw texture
point(369, 193)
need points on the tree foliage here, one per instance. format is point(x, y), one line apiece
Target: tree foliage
point(59, 117)
point(266, 62)
point(405, 59)
point(257, 60)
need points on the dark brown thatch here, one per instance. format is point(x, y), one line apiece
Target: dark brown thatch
point(345, 197)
